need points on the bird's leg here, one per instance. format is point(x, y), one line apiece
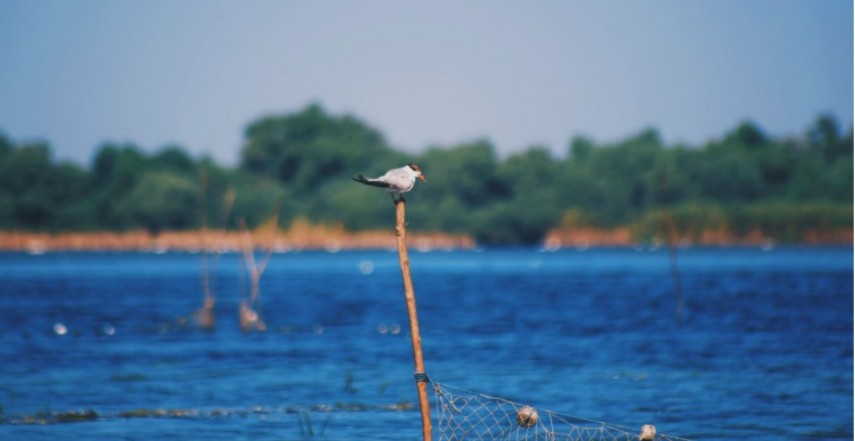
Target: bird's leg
point(400, 198)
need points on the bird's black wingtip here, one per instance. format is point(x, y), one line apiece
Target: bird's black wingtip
point(372, 182)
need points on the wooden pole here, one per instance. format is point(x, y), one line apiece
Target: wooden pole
point(410, 295)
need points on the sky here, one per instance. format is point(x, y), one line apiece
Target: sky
point(78, 74)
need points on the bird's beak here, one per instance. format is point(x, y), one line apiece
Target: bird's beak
point(422, 177)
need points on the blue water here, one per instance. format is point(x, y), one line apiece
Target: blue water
point(764, 350)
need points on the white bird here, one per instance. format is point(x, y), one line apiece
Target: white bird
point(398, 180)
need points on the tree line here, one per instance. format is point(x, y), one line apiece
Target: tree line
point(299, 165)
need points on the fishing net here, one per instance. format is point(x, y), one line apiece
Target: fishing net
point(466, 415)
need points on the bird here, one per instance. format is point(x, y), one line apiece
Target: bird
point(396, 181)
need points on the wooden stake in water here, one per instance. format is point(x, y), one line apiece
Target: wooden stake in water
point(410, 295)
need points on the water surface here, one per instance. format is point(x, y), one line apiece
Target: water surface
point(92, 348)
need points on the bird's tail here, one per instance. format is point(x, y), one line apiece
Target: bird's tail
point(363, 180)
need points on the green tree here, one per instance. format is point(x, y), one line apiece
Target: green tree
point(257, 199)
point(116, 171)
point(301, 164)
point(173, 158)
point(747, 135)
point(462, 180)
point(162, 201)
point(533, 177)
point(304, 149)
point(624, 184)
point(580, 148)
point(467, 172)
point(25, 179)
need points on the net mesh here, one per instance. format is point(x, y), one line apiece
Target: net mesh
point(466, 415)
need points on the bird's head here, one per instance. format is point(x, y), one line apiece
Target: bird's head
point(418, 171)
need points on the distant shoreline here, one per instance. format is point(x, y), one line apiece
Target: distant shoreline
point(582, 237)
point(315, 238)
point(334, 239)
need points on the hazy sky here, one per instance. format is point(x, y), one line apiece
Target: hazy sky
point(195, 72)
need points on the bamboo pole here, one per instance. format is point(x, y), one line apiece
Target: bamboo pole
point(410, 295)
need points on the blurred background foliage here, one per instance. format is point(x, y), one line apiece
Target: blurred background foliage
point(299, 166)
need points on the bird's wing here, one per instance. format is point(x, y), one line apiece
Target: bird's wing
point(373, 182)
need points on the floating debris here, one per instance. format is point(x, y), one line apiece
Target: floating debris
point(526, 417)
point(393, 329)
point(366, 267)
point(108, 329)
point(40, 418)
point(60, 329)
point(648, 433)
point(75, 416)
